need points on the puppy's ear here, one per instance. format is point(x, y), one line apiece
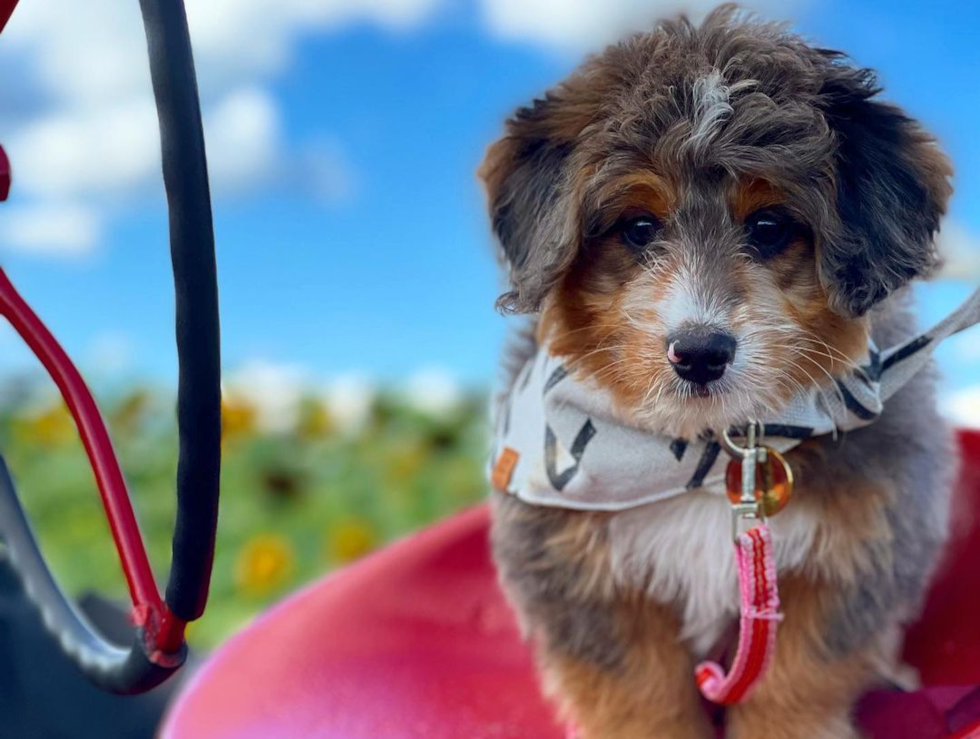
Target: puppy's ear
point(528, 182)
point(892, 189)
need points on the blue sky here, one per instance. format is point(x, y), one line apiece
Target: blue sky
point(345, 134)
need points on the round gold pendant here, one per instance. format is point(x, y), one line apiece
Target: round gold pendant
point(773, 482)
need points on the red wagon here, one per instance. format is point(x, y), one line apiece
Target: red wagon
point(417, 641)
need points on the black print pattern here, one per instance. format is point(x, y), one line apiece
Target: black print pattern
point(711, 451)
point(557, 376)
point(854, 405)
point(560, 479)
point(913, 347)
point(678, 447)
point(872, 371)
point(788, 431)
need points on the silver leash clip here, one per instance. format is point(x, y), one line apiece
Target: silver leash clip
point(747, 511)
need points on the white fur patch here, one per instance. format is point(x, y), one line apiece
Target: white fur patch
point(712, 108)
point(688, 302)
point(681, 552)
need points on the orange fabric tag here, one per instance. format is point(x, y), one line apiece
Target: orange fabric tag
point(504, 468)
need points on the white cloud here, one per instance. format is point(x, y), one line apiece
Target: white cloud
point(51, 228)
point(963, 406)
point(235, 38)
point(578, 24)
point(90, 135)
point(92, 151)
point(277, 390)
point(244, 139)
point(94, 50)
point(434, 391)
point(82, 54)
point(960, 249)
point(274, 390)
point(348, 399)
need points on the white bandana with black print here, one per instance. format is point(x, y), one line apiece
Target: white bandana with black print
point(559, 442)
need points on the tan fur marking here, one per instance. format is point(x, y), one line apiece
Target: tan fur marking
point(642, 192)
point(831, 343)
point(588, 325)
point(648, 696)
point(753, 195)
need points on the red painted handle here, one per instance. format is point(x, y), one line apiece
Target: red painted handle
point(164, 629)
point(6, 9)
point(4, 174)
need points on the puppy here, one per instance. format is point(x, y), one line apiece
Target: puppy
point(728, 185)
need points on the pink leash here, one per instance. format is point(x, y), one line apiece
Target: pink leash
point(757, 584)
point(759, 620)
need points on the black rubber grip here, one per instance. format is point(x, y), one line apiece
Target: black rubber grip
point(124, 671)
point(185, 176)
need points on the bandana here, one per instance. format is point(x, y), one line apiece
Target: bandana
point(559, 442)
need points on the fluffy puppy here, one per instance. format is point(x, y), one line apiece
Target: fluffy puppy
point(727, 181)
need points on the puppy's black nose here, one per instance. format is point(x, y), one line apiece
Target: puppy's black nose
point(700, 356)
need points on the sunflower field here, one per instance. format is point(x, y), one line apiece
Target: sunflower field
point(299, 497)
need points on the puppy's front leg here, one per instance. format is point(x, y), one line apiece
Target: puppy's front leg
point(611, 659)
point(647, 692)
point(811, 686)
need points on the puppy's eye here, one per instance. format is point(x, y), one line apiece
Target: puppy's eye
point(640, 232)
point(769, 232)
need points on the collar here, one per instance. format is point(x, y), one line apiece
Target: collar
point(558, 441)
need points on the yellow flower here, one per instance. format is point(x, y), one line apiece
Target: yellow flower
point(264, 563)
point(405, 461)
point(315, 421)
point(351, 540)
point(53, 426)
point(238, 418)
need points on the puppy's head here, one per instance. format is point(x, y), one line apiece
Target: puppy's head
point(704, 215)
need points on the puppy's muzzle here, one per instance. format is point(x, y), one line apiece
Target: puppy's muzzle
point(700, 356)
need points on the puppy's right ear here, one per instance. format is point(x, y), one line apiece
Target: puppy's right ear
point(528, 183)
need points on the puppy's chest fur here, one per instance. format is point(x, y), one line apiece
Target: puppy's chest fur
point(680, 553)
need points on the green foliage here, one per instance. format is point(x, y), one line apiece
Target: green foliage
point(295, 503)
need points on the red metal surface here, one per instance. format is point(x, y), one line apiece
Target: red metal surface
point(6, 9)
point(4, 175)
point(417, 641)
point(163, 628)
point(970, 732)
point(945, 645)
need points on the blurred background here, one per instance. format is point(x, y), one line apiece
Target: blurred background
point(357, 272)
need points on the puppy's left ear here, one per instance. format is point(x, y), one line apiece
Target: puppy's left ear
point(892, 189)
point(527, 176)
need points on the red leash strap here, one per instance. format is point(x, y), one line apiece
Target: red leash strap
point(164, 629)
point(759, 620)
